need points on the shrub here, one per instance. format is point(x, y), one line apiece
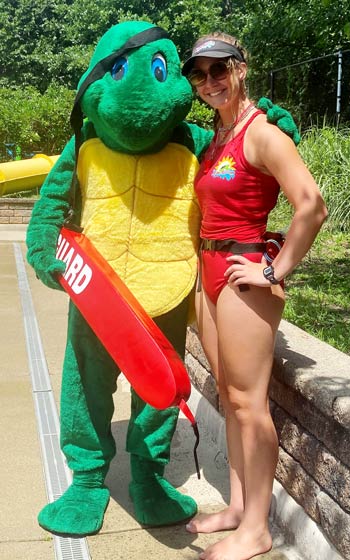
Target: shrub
point(31, 122)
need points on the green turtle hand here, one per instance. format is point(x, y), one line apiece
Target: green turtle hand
point(47, 270)
point(42, 257)
point(280, 117)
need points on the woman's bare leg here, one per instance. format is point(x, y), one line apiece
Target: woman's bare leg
point(247, 323)
point(228, 518)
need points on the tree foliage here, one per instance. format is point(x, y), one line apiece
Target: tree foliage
point(51, 42)
point(280, 34)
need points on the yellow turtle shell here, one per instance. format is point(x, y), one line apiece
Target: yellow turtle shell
point(141, 213)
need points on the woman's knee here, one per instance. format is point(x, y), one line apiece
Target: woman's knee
point(246, 408)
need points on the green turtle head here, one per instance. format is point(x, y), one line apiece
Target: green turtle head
point(136, 104)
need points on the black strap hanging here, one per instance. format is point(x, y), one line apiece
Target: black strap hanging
point(183, 406)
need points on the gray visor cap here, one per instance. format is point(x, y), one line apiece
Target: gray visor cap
point(212, 48)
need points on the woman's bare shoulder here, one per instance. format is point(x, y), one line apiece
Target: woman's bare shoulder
point(262, 130)
point(265, 141)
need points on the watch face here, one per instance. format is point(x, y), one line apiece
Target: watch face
point(268, 272)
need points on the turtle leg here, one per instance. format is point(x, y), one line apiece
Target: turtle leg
point(150, 431)
point(88, 383)
point(156, 501)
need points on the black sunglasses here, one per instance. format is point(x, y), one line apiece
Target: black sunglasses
point(218, 71)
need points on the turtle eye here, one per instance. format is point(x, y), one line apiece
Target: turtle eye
point(120, 68)
point(159, 68)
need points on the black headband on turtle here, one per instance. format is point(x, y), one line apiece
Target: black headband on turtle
point(97, 72)
point(105, 65)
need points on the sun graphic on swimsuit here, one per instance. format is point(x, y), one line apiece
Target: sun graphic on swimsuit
point(225, 168)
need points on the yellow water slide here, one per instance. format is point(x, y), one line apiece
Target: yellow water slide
point(25, 174)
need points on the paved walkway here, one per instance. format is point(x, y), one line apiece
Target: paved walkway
point(23, 467)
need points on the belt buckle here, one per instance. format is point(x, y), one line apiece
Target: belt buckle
point(210, 244)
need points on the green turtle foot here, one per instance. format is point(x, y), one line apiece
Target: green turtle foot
point(157, 502)
point(79, 511)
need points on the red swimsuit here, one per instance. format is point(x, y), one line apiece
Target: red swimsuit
point(235, 200)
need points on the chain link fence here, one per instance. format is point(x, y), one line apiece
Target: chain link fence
point(315, 90)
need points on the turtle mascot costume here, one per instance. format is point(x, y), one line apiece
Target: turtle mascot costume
point(134, 200)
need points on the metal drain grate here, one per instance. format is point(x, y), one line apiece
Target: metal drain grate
point(71, 548)
point(57, 474)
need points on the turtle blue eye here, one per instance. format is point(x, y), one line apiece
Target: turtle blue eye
point(159, 68)
point(120, 68)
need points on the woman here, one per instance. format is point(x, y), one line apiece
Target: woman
point(240, 300)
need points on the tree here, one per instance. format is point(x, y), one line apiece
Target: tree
point(280, 33)
point(51, 41)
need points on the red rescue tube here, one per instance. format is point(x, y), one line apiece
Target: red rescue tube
point(138, 346)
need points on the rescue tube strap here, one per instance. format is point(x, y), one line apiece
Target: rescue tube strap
point(183, 406)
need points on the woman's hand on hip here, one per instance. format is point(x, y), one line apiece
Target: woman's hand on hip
point(244, 271)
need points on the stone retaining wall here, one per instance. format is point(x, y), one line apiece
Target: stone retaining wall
point(310, 405)
point(16, 210)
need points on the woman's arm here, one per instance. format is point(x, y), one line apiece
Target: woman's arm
point(277, 153)
point(274, 153)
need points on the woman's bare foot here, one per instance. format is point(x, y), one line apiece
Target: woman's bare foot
point(219, 521)
point(241, 545)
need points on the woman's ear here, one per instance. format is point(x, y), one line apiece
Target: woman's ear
point(242, 71)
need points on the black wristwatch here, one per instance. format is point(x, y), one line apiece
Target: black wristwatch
point(269, 274)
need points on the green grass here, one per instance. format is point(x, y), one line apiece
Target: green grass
point(318, 290)
point(326, 151)
point(318, 295)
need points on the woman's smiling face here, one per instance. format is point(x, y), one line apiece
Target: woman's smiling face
point(216, 91)
point(222, 91)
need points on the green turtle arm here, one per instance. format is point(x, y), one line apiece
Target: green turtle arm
point(195, 138)
point(50, 212)
point(47, 218)
point(280, 117)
